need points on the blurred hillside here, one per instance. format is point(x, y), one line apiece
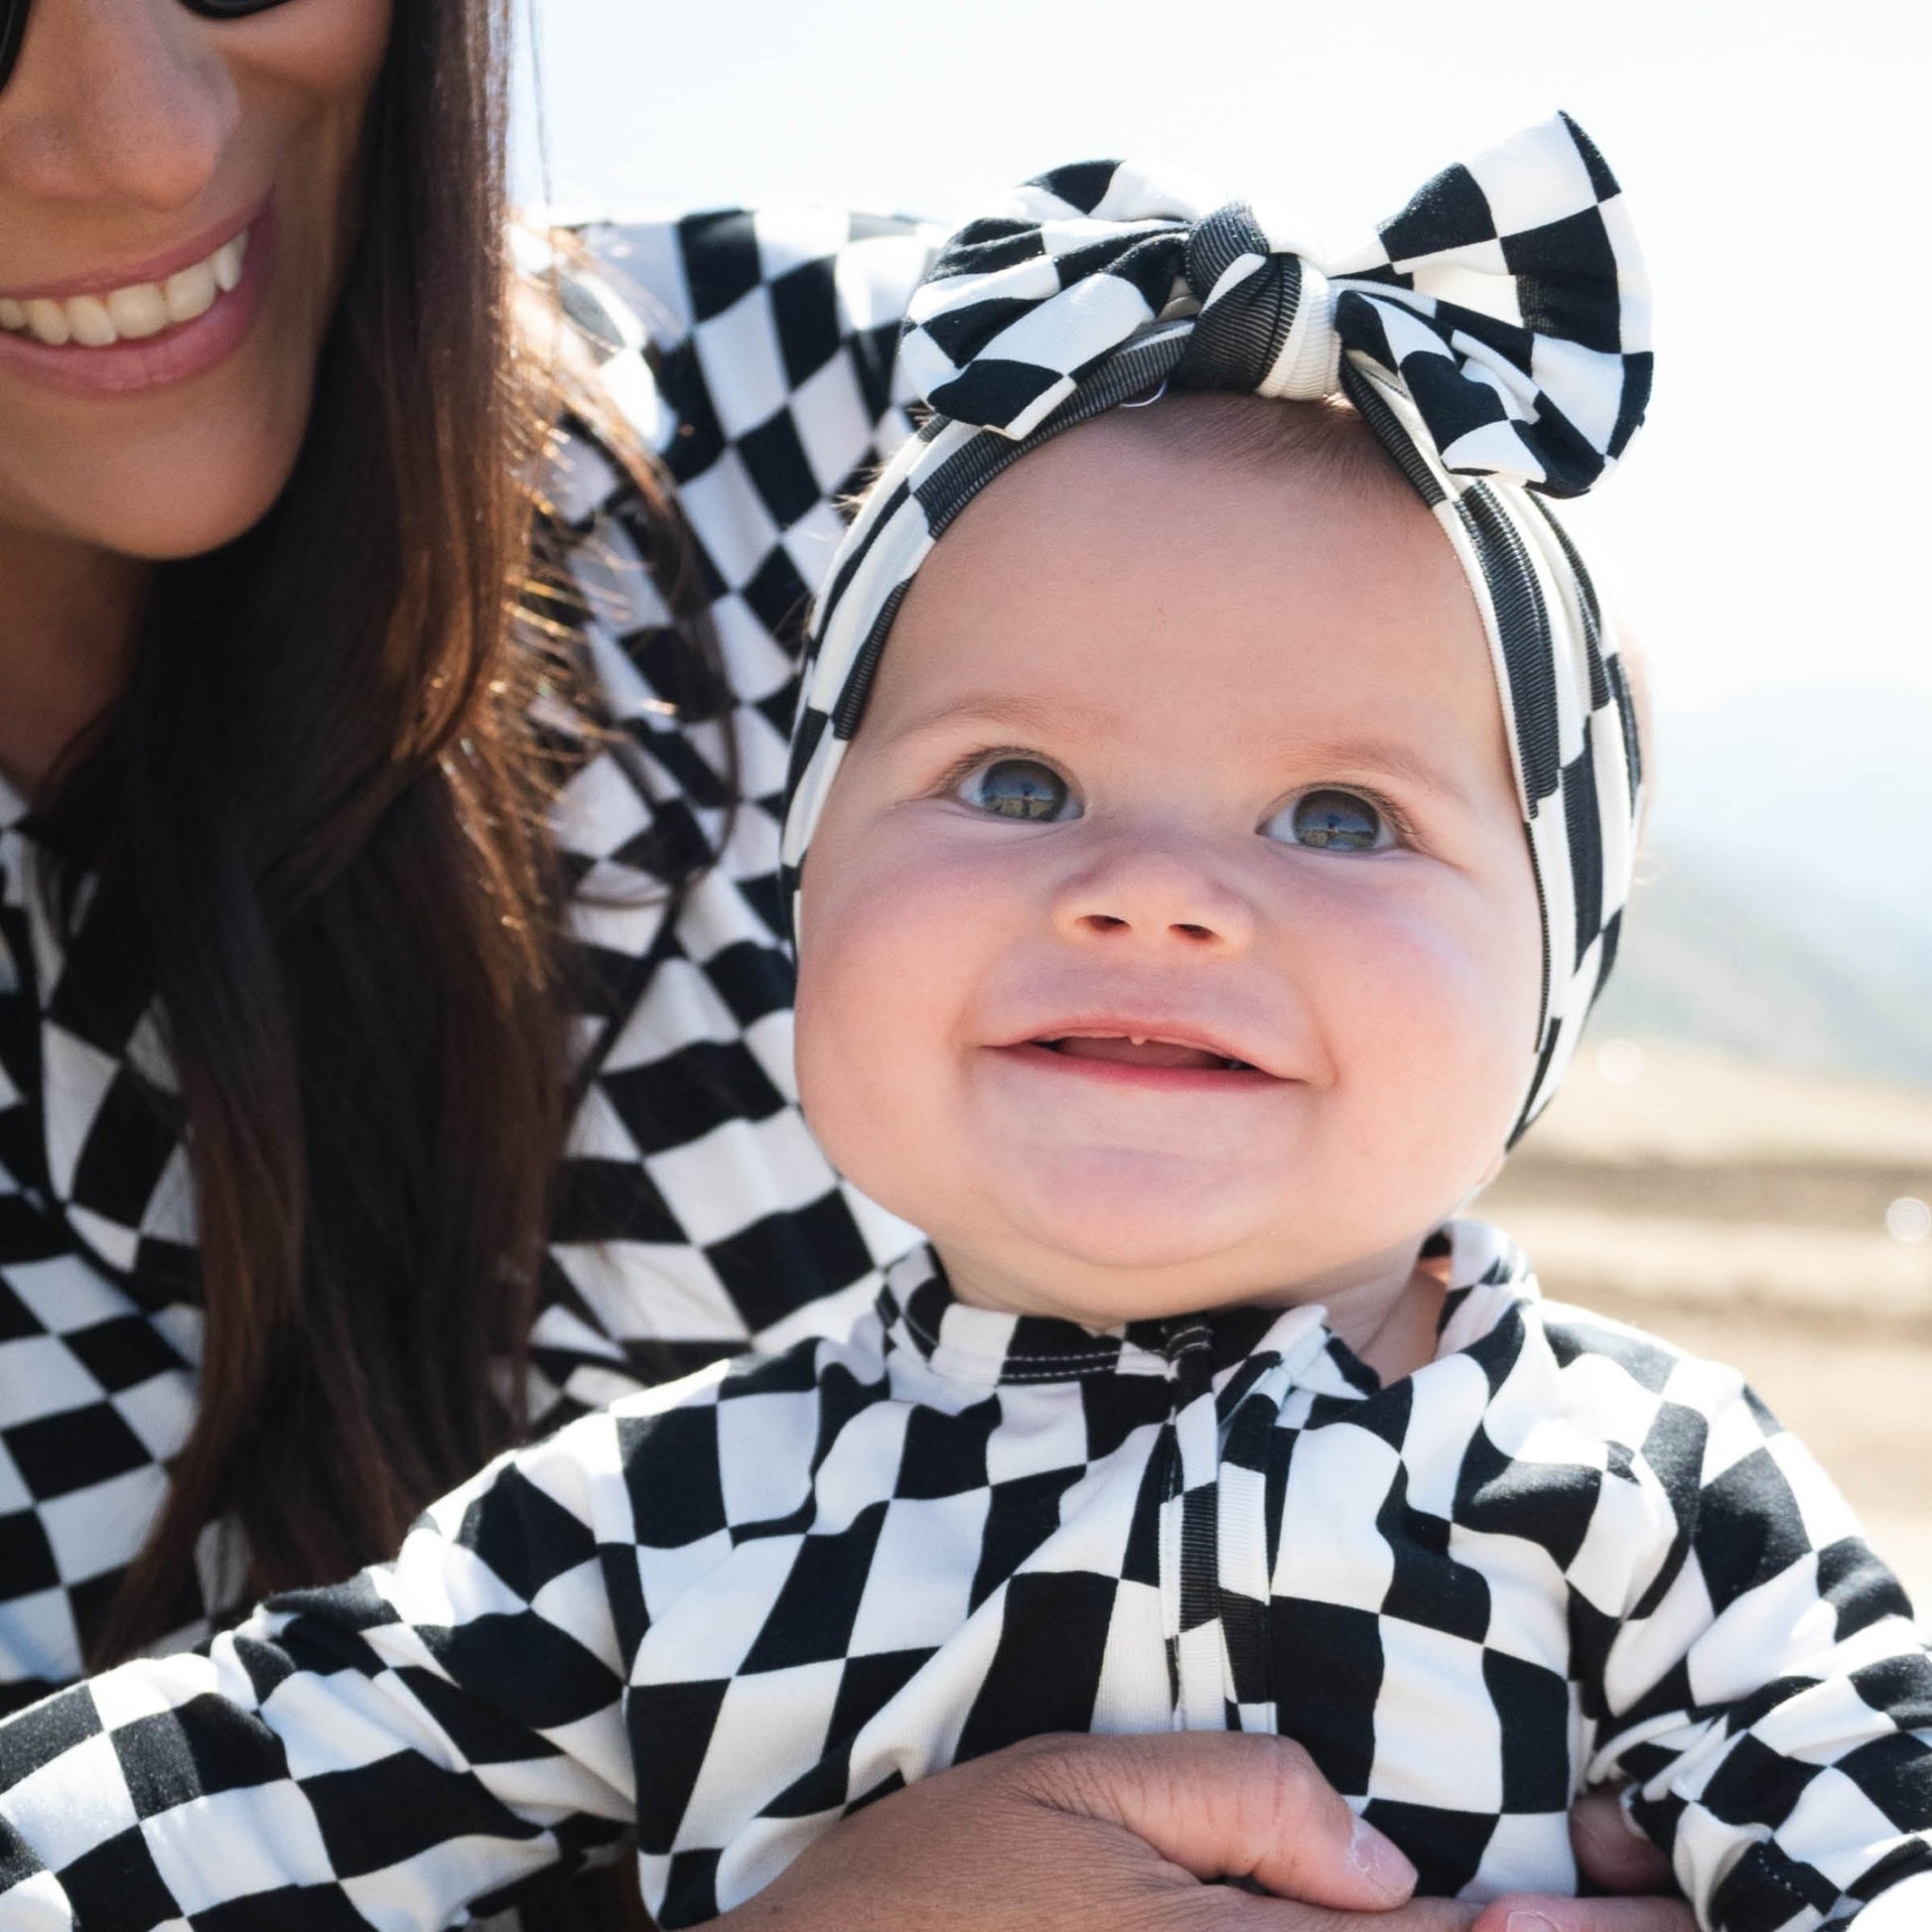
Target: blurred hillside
point(1784, 912)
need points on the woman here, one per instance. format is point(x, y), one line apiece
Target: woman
point(317, 864)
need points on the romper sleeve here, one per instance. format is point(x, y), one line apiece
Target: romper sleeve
point(428, 1738)
point(1766, 1692)
point(751, 353)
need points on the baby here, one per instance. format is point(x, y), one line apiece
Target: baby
point(1172, 950)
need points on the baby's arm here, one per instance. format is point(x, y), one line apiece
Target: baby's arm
point(420, 1739)
point(1766, 1692)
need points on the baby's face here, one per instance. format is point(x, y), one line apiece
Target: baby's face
point(1169, 938)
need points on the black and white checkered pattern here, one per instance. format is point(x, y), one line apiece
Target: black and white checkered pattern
point(755, 350)
point(1561, 1554)
point(1495, 335)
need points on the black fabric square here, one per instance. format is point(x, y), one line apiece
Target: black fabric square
point(754, 981)
point(671, 1471)
point(871, 1682)
point(1020, 1515)
point(1451, 211)
point(778, 596)
point(121, 1354)
point(945, 1454)
point(1569, 278)
point(526, 1538)
point(172, 1757)
point(400, 1807)
point(779, 468)
point(25, 1557)
point(690, 1891)
point(1046, 1668)
point(1429, 1587)
point(57, 1455)
point(781, 1262)
point(1749, 1530)
point(133, 1136)
point(1533, 1714)
point(611, 1200)
point(720, 252)
point(810, 1620)
point(116, 1882)
point(1444, 1846)
point(670, 1727)
point(40, 1736)
point(1550, 1504)
point(289, 1908)
point(805, 309)
point(687, 1094)
point(1326, 1672)
point(539, 1675)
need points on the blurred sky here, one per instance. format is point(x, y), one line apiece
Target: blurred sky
point(1765, 529)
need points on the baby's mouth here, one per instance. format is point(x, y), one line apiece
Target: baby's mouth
point(1125, 1049)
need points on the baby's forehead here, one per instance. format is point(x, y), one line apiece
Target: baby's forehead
point(1200, 536)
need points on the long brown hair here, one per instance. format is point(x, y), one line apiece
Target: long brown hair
point(315, 818)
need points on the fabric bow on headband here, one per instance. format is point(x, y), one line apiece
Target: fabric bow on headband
point(1509, 298)
point(1496, 337)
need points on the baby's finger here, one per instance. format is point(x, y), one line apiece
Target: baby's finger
point(1610, 1854)
point(1521, 1913)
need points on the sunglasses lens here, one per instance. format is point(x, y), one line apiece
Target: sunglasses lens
point(12, 28)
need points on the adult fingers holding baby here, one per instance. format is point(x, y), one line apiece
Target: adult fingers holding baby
point(1082, 1833)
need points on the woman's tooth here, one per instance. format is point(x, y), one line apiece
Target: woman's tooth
point(92, 325)
point(190, 293)
point(226, 263)
point(13, 315)
point(48, 322)
point(138, 312)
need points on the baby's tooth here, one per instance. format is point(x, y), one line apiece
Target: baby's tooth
point(190, 294)
point(13, 315)
point(139, 310)
point(92, 325)
point(226, 263)
point(49, 321)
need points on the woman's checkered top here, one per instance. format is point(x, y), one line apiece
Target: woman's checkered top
point(1561, 1554)
point(696, 1212)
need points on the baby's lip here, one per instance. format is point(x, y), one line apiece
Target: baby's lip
point(1190, 1044)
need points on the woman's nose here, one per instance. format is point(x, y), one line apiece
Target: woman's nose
point(116, 102)
point(1135, 891)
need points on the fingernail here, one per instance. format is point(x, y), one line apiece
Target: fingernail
point(1530, 1922)
point(1378, 1861)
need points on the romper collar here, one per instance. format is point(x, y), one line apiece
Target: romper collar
point(1485, 1275)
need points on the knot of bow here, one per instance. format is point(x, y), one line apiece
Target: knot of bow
point(1507, 301)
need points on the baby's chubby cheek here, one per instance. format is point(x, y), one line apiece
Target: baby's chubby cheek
point(882, 961)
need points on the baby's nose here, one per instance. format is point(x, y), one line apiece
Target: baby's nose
point(1148, 893)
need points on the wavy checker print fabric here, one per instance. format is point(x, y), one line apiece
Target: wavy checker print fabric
point(1100, 283)
point(755, 349)
point(1559, 1554)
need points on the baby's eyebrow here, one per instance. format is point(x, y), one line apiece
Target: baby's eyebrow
point(1389, 756)
point(1012, 710)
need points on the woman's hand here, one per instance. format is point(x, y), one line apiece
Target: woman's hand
point(1118, 1835)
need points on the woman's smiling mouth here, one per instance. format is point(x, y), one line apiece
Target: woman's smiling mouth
point(185, 317)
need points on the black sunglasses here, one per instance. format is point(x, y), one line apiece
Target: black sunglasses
point(13, 23)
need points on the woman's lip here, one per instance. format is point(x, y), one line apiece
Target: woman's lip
point(1029, 1053)
point(158, 362)
point(156, 268)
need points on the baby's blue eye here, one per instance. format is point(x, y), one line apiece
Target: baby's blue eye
point(1331, 821)
point(1018, 788)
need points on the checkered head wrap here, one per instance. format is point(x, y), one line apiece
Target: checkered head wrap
point(1495, 335)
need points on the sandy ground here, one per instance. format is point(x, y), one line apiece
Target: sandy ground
point(1742, 1214)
